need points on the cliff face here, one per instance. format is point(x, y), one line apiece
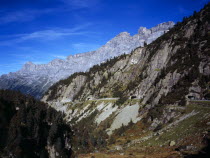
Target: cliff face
point(157, 86)
point(36, 79)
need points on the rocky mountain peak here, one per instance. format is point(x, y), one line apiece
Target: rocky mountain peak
point(163, 26)
point(56, 62)
point(143, 31)
point(123, 34)
point(28, 66)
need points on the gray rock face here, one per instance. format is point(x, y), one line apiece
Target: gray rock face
point(36, 79)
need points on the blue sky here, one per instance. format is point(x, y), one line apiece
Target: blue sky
point(41, 30)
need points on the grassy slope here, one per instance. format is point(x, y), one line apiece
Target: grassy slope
point(188, 132)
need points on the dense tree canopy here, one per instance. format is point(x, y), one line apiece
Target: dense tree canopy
point(29, 128)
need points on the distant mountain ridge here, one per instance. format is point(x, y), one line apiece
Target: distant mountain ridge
point(36, 79)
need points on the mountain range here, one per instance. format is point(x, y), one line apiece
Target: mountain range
point(152, 102)
point(36, 79)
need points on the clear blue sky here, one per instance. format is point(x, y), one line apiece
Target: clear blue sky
point(41, 30)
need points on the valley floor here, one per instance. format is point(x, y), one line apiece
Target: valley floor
point(151, 153)
point(188, 135)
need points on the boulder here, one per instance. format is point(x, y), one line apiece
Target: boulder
point(172, 143)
